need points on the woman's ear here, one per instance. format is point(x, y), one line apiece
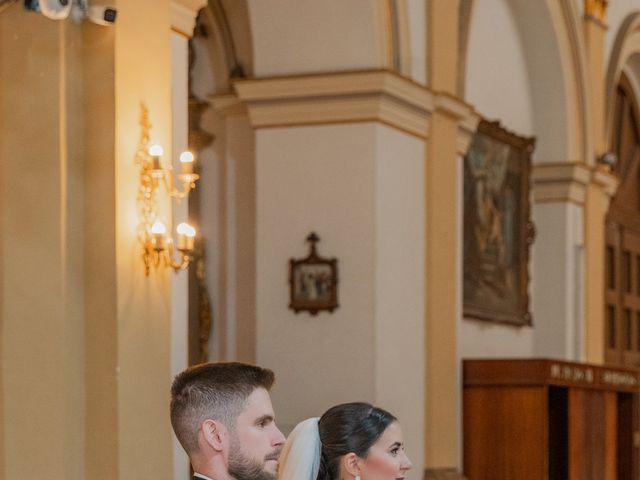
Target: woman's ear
point(213, 434)
point(351, 464)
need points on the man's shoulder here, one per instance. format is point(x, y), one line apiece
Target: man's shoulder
point(199, 476)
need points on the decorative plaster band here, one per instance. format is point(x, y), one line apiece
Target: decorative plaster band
point(561, 182)
point(378, 95)
point(183, 15)
point(606, 180)
point(466, 129)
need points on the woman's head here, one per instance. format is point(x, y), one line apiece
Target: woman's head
point(359, 439)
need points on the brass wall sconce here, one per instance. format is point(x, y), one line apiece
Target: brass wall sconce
point(158, 247)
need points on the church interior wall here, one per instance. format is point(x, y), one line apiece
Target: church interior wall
point(337, 202)
point(281, 46)
point(400, 283)
point(360, 186)
point(180, 282)
point(558, 263)
point(42, 330)
point(365, 201)
point(417, 31)
point(495, 47)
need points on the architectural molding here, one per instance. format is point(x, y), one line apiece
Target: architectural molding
point(376, 95)
point(466, 129)
point(227, 104)
point(568, 182)
point(606, 180)
point(561, 182)
point(183, 15)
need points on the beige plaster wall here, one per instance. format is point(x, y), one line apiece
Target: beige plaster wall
point(400, 284)
point(143, 303)
point(559, 285)
point(361, 188)
point(284, 32)
point(228, 210)
point(495, 47)
point(316, 179)
point(417, 25)
point(42, 291)
point(100, 306)
point(180, 281)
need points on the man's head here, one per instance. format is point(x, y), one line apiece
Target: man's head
point(223, 417)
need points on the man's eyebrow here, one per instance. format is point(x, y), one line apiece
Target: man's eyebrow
point(264, 419)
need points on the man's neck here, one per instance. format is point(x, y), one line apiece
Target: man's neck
point(211, 471)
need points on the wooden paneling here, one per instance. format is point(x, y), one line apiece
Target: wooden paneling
point(518, 443)
point(549, 420)
point(622, 256)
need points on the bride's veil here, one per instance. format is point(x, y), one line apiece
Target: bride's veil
point(300, 457)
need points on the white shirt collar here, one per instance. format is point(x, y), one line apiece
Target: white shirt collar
point(199, 475)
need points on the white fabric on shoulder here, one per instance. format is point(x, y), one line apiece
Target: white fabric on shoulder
point(300, 457)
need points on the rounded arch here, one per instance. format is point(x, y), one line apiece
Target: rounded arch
point(222, 45)
point(549, 32)
point(624, 56)
point(241, 40)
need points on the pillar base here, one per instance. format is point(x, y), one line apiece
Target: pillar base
point(443, 474)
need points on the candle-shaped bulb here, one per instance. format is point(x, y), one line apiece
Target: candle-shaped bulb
point(158, 228)
point(156, 152)
point(186, 235)
point(158, 232)
point(186, 160)
point(186, 229)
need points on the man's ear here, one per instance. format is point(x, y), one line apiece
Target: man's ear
point(214, 434)
point(351, 464)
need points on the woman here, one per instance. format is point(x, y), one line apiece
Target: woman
point(352, 441)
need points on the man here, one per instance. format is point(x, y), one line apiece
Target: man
point(223, 418)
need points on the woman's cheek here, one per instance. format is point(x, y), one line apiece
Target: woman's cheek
point(385, 465)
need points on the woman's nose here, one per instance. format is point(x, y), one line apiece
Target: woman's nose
point(407, 465)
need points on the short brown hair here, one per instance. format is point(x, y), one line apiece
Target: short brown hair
point(214, 391)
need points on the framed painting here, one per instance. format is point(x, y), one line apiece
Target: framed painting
point(498, 231)
point(313, 281)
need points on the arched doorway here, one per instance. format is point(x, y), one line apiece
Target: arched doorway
point(622, 256)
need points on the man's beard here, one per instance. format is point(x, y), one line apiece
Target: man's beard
point(242, 467)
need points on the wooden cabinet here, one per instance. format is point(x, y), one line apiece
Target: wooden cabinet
point(549, 420)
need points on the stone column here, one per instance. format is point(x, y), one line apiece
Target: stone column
point(450, 131)
point(42, 244)
point(183, 16)
point(602, 185)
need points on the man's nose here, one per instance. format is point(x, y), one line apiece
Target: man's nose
point(278, 438)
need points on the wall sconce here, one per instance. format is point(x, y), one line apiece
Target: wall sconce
point(158, 248)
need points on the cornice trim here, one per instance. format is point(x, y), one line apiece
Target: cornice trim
point(183, 15)
point(377, 95)
point(568, 182)
point(360, 96)
point(605, 180)
point(560, 182)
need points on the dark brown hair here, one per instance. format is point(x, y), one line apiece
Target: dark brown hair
point(214, 391)
point(346, 428)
